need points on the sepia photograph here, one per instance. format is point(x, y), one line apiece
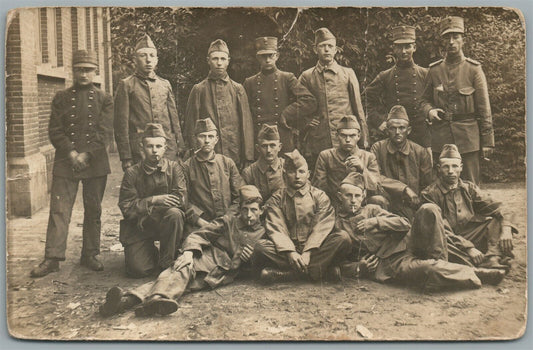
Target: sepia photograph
point(265, 173)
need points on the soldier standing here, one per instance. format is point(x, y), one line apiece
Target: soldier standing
point(225, 102)
point(336, 90)
point(400, 85)
point(456, 102)
point(276, 97)
point(143, 98)
point(80, 120)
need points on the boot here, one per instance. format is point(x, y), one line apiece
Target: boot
point(270, 275)
point(116, 302)
point(92, 263)
point(489, 276)
point(494, 262)
point(44, 268)
point(156, 304)
point(334, 274)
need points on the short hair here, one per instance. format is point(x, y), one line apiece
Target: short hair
point(257, 200)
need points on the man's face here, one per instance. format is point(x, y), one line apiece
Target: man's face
point(297, 178)
point(398, 129)
point(251, 213)
point(351, 198)
point(348, 139)
point(268, 60)
point(146, 60)
point(450, 170)
point(84, 75)
point(326, 51)
point(207, 140)
point(218, 62)
point(404, 52)
point(453, 42)
point(154, 148)
point(269, 149)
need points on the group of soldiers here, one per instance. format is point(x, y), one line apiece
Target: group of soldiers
point(273, 179)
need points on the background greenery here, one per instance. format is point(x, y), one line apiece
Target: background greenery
point(495, 37)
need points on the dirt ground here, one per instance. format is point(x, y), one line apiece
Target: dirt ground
point(64, 305)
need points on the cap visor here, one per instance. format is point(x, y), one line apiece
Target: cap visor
point(404, 41)
point(85, 65)
point(265, 52)
point(452, 30)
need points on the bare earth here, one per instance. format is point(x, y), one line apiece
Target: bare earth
point(64, 305)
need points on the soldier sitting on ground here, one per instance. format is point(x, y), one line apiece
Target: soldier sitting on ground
point(153, 198)
point(211, 257)
point(382, 249)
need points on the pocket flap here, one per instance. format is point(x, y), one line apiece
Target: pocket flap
point(467, 90)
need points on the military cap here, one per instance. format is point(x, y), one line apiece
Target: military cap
point(452, 24)
point(268, 132)
point(218, 45)
point(154, 130)
point(84, 58)
point(322, 35)
point(294, 160)
point(249, 193)
point(397, 112)
point(354, 179)
point(403, 35)
point(266, 45)
point(145, 42)
point(450, 151)
point(348, 122)
point(204, 125)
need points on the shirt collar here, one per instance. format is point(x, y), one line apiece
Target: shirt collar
point(142, 76)
point(343, 154)
point(161, 167)
point(333, 66)
point(445, 190)
point(264, 166)
point(212, 76)
point(210, 159)
point(302, 191)
point(269, 72)
point(405, 148)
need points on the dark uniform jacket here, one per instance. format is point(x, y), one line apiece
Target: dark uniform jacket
point(399, 85)
point(81, 119)
point(267, 178)
point(217, 247)
point(274, 94)
point(138, 187)
point(225, 102)
point(213, 186)
point(140, 100)
point(336, 90)
point(460, 89)
point(299, 220)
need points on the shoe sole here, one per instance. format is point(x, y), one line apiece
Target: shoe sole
point(112, 301)
point(154, 307)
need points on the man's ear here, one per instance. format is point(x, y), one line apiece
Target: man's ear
point(315, 50)
point(409, 129)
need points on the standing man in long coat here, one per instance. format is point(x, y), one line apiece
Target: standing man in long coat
point(336, 90)
point(80, 122)
point(403, 85)
point(276, 97)
point(225, 102)
point(142, 98)
point(456, 102)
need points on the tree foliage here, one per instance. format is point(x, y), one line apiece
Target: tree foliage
point(495, 37)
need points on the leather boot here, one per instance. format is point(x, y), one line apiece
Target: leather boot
point(334, 274)
point(156, 305)
point(92, 263)
point(270, 275)
point(45, 267)
point(116, 302)
point(489, 276)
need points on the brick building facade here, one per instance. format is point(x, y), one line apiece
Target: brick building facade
point(39, 47)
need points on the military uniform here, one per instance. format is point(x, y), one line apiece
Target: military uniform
point(336, 90)
point(140, 100)
point(275, 94)
point(225, 102)
point(460, 89)
point(403, 85)
point(80, 120)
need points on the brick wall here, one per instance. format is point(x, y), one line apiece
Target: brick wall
point(46, 87)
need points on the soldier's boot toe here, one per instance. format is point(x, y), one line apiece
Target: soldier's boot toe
point(165, 306)
point(494, 262)
point(490, 276)
point(45, 267)
point(112, 302)
point(334, 274)
point(156, 305)
point(270, 275)
point(92, 263)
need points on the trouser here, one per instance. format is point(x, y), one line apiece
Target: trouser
point(471, 170)
point(63, 196)
point(333, 251)
point(142, 257)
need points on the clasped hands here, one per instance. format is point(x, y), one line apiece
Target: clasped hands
point(79, 161)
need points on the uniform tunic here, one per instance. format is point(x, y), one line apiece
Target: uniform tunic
point(213, 186)
point(225, 102)
point(336, 90)
point(267, 178)
point(275, 94)
point(140, 100)
point(399, 85)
